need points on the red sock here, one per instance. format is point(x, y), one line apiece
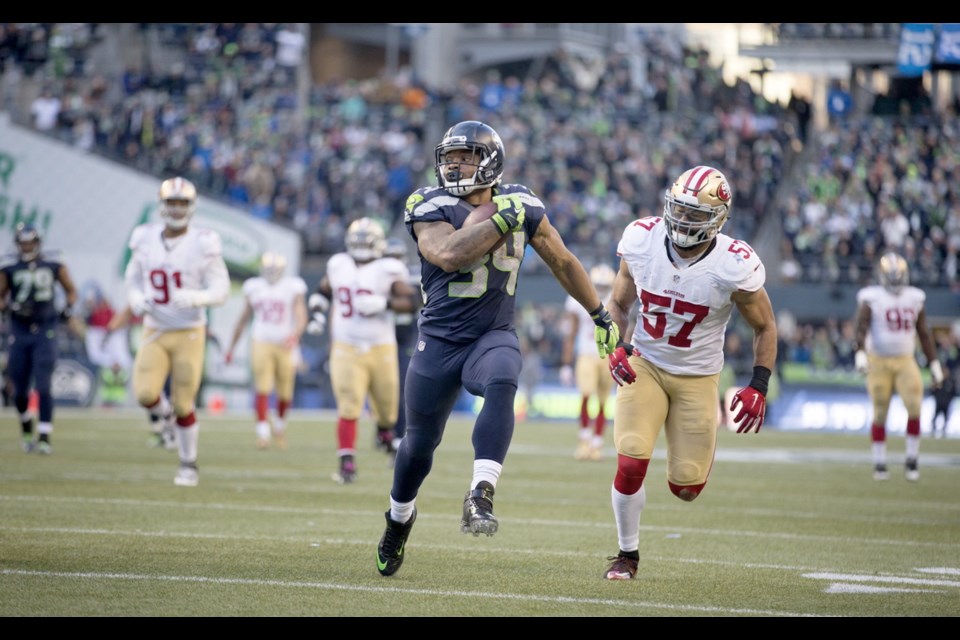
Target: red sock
point(261, 403)
point(346, 433)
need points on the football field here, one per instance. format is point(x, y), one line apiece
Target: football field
point(789, 525)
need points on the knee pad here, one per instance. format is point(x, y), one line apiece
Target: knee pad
point(630, 474)
point(687, 493)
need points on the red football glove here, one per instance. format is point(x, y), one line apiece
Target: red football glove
point(753, 408)
point(620, 367)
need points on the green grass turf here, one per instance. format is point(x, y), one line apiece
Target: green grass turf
point(790, 524)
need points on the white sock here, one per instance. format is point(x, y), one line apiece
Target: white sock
point(485, 470)
point(585, 433)
point(45, 427)
point(401, 511)
point(597, 441)
point(279, 425)
point(879, 450)
point(913, 446)
point(263, 430)
point(187, 438)
point(627, 510)
point(162, 409)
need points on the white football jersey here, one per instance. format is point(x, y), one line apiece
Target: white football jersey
point(584, 341)
point(893, 319)
point(349, 280)
point(157, 266)
point(272, 304)
point(684, 312)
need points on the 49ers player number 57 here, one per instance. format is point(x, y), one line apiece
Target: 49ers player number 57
point(687, 277)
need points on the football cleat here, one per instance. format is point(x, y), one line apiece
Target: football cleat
point(187, 475)
point(621, 568)
point(880, 472)
point(391, 547)
point(910, 471)
point(478, 511)
point(348, 470)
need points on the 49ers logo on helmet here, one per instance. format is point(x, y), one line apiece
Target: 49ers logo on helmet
point(723, 191)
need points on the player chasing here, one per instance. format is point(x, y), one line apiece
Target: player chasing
point(276, 303)
point(362, 291)
point(688, 277)
point(175, 272)
point(890, 317)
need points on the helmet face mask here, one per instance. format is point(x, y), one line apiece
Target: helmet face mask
point(365, 240)
point(27, 238)
point(178, 200)
point(272, 266)
point(894, 274)
point(469, 144)
point(697, 206)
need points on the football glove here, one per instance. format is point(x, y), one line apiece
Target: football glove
point(753, 406)
point(66, 313)
point(566, 375)
point(317, 302)
point(510, 212)
point(188, 298)
point(370, 304)
point(317, 324)
point(936, 373)
point(860, 361)
point(138, 302)
point(606, 333)
point(620, 367)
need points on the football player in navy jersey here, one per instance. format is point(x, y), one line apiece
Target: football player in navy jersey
point(467, 339)
point(27, 290)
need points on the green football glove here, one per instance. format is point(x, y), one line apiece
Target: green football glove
point(510, 212)
point(607, 333)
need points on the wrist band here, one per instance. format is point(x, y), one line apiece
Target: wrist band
point(761, 376)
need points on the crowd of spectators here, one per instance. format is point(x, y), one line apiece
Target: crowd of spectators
point(599, 149)
point(878, 184)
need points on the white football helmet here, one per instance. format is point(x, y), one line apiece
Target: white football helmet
point(894, 274)
point(602, 277)
point(697, 206)
point(272, 266)
point(365, 240)
point(178, 199)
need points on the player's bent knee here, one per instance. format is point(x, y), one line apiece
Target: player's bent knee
point(630, 474)
point(632, 446)
point(687, 493)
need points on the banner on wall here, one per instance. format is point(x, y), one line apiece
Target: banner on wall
point(916, 48)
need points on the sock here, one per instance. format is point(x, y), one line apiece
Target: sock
point(627, 510)
point(485, 470)
point(401, 511)
point(188, 435)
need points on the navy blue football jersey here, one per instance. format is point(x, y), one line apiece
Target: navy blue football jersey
point(32, 287)
point(462, 306)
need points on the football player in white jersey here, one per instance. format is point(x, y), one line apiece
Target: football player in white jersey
point(175, 271)
point(277, 304)
point(889, 318)
point(688, 278)
point(582, 367)
point(362, 290)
